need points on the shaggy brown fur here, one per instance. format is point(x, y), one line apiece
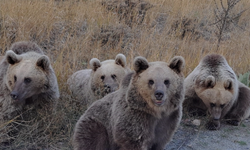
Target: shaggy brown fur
point(213, 86)
point(103, 78)
point(143, 114)
point(28, 82)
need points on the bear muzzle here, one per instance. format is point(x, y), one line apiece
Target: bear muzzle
point(14, 95)
point(159, 98)
point(159, 95)
point(109, 88)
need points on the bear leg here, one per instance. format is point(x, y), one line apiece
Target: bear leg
point(213, 124)
point(241, 110)
point(90, 134)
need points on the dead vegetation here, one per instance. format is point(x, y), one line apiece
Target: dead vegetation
point(130, 12)
point(73, 32)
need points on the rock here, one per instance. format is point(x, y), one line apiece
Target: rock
point(196, 122)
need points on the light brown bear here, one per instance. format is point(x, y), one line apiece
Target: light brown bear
point(27, 81)
point(213, 86)
point(143, 114)
point(88, 85)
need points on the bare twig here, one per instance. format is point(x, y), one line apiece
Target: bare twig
point(223, 17)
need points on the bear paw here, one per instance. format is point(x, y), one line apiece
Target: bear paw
point(213, 125)
point(233, 122)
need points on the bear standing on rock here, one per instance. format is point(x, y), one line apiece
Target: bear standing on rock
point(213, 86)
point(27, 82)
point(143, 114)
point(88, 85)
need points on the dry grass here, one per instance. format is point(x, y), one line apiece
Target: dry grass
point(73, 32)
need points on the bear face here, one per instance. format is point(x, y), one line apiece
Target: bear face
point(107, 75)
point(158, 82)
point(26, 75)
point(216, 95)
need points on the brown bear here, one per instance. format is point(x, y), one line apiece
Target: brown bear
point(143, 114)
point(213, 86)
point(88, 85)
point(27, 82)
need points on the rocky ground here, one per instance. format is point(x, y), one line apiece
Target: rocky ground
point(195, 137)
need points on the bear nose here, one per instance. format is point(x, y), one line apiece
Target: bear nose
point(159, 95)
point(107, 88)
point(14, 95)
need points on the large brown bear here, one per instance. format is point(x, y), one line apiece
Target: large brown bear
point(213, 86)
point(27, 82)
point(88, 85)
point(143, 114)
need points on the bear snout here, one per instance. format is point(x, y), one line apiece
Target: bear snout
point(159, 95)
point(107, 88)
point(14, 95)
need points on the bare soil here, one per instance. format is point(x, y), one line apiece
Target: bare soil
point(228, 137)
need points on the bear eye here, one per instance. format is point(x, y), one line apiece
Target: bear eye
point(212, 105)
point(27, 80)
point(166, 82)
point(102, 77)
point(113, 76)
point(14, 78)
point(150, 82)
point(222, 105)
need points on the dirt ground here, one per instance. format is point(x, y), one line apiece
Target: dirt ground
point(191, 137)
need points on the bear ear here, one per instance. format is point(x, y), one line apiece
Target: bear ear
point(95, 63)
point(43, 62)
point(228, 84)
point(140, 64)
point(210, 82)
point(12, 57)
point(120, 59)
point(177, 64)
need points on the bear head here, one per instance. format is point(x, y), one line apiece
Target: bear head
point(26, 75)
point(159, 84)
point(216, 85)
point(216, 94)
point(107, 75)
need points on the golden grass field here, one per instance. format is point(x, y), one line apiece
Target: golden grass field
point(71, 32)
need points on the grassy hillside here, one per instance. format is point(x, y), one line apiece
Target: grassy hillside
point(71, 32)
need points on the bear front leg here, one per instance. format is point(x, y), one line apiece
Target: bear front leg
point(241, 109)
point(133, 131)
point(231, 119)
point(213, 124)
point(90, 134)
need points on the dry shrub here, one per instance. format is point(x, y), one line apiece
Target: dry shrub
point(186, 27)
point(113, 37)
point(131, 12)
point(31, 126)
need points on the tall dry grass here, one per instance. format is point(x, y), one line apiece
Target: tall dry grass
point(71, 32)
